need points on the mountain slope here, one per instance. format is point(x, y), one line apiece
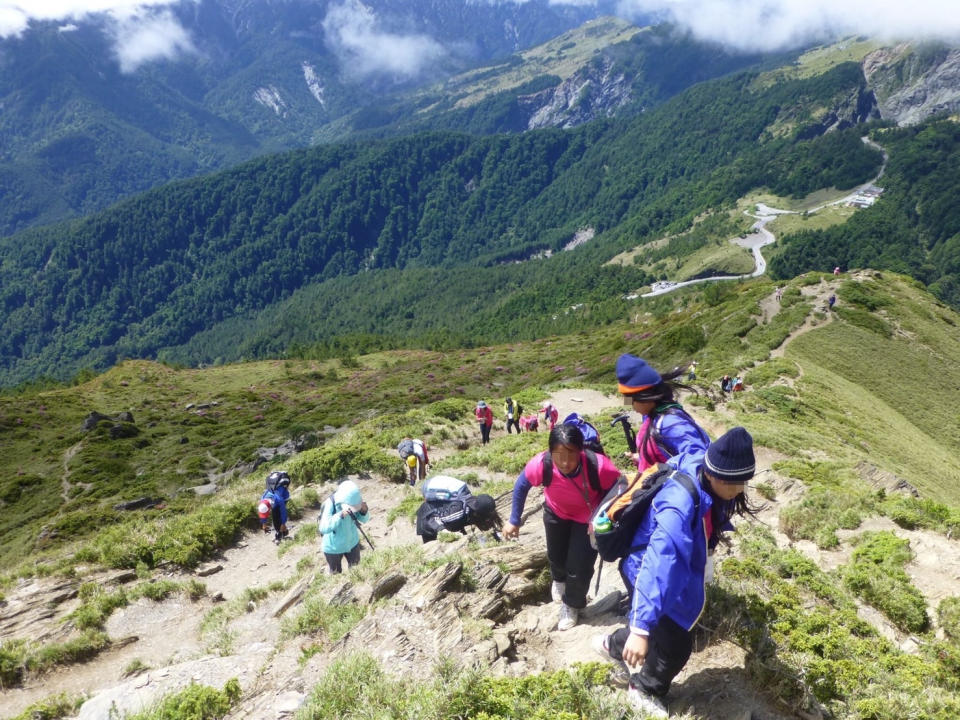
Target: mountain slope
point(84, 124)
point(156, 270)
point(793, 624)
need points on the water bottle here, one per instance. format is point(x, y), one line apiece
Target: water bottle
point(602, 524)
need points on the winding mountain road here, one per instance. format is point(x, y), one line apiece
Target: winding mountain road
point(760, 237)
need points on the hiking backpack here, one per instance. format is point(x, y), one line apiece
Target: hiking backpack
point(405, 448)
point(626, 504)
point(442, 488)
point(278, 478)
point(591, 436)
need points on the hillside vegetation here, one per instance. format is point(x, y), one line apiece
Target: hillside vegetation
point(155, 271)
point(825, 405)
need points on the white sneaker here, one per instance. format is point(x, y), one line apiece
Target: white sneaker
point(599, 644)
point(650, 706)
point(557, 589)
point(568, 617)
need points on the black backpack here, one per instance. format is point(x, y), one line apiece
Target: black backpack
point(593, 472)
point(278, 478)
point(626, 504)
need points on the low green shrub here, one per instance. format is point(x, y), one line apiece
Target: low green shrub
point(921, 513)
point(357, 687)
point(195, 702)
point(51, 708)
point(876, 574)
point(948, 617)
point(804, 637)
point(341, 458)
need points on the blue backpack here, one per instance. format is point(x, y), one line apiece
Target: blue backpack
point(591, 437)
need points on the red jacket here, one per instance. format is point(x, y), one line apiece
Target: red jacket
point(484, 415)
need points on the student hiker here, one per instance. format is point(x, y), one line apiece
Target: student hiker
point(667, 430)
point(274, 501)
point(550, 413)
point(413, 452)
point(512, 410)
point(485, 418)
point(338, 523)
point(572, 489)
point(449, 505)
point(665, 572)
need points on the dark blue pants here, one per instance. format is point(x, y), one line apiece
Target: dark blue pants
point(335, 560)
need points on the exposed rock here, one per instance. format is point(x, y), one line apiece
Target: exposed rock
point(208, 570)
point(592, 92)
point(432, 586)
point(93, 419)
point(293, 596)
point(387, 585)
point(914, 82)
point(138, 504)
point(885, 480)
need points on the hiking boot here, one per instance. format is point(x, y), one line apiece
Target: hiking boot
point(277, 537)
point(620, 675)
point(568, 617)
point(557, 589)
point(650, 705)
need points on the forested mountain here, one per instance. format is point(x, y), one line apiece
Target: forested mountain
point(89, 115)
point(154, 271)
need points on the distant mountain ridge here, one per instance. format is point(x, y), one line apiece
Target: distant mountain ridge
point(77, 132)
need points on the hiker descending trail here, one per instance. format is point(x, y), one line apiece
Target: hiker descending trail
point(273, 504)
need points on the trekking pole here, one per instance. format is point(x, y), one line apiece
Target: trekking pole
point(357, 523)
point(625, 421)
point(596, 587)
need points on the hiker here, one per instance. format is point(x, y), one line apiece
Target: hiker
point(574, 483)
point(413, 452)
point(737, 384)
point(692, 371)
point(274, 500)
point(667, 430)
point(530, 423)
point(667, 566)
point(485, 418)
point(831, 301)
point(512, 410)
point(550, 413)
point(725, 383)
point(779, 293)
point(339, 526)
point(449, 505)
point(836, 271)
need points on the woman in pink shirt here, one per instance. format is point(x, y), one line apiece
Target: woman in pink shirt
point(485, 418)
point(574, 482)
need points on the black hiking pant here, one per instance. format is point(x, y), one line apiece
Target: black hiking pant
point(484, 433)
point(335, 560)
point(513, 422)
point(669, 650)
point(570, 555)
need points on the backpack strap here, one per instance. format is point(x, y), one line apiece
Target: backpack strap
point(593, 470)
point(687, 483)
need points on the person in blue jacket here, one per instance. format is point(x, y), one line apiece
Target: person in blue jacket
point(668, 570)
point(276, 497)
point(338, 525)
point(668, 432)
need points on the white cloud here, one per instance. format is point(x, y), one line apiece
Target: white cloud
point(143, 36)
point(773, 24)
point(141, 31)
point(351, 30)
